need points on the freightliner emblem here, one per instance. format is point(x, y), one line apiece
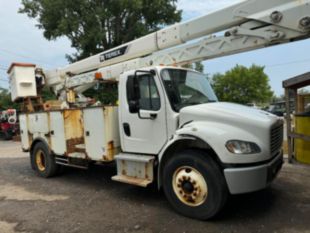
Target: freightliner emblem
point(113, 54)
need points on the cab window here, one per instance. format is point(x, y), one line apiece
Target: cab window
point(148, 93)
point(149, 97)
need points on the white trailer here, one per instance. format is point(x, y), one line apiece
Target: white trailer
point(168, 127)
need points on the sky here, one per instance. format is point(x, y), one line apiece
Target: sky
point(22, 41)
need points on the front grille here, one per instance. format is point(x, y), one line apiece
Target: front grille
point(276, 138)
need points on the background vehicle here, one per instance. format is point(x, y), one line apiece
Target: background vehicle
point(8, 125)
point(278, 108)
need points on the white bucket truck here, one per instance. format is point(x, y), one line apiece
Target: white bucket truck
point(168, 127)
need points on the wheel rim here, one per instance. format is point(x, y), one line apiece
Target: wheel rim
point(40, 160)
point(190, 186)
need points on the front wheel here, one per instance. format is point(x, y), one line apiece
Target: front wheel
point(194, 184)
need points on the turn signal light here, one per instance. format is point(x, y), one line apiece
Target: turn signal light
point(98, 75)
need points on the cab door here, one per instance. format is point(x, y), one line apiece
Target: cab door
point(142, 113)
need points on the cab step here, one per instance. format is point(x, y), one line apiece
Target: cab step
point(134, 169)
point(132, 180)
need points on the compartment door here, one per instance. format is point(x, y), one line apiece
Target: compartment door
point(94, 133)
point(38, 123)
point(23, 124)
point(57, 130)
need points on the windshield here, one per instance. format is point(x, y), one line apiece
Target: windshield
point(186, 88)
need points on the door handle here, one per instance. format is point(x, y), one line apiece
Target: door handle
point(126, 128)
point(147, 115)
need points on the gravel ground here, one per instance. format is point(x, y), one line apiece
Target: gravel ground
point(88, 201)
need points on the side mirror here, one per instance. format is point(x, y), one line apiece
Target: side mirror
point(133, 106)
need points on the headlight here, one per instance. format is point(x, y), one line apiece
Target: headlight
point(242, 147)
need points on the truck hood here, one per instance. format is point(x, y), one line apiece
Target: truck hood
point(228, 113)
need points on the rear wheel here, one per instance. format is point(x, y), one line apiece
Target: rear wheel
point(42, 161)
point(194, 184)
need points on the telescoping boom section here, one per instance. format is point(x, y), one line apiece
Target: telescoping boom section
point(242, 27)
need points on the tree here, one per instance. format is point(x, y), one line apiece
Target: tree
point(106, 94)
point(243, 85)
point(279, 98)
point(198, 66)
point(96, 25)
point(5, 100)
point(47, 94)
point(303, 91)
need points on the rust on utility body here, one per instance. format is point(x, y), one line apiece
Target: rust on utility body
point(74, 130)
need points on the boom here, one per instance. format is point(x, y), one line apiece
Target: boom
point(242, 27)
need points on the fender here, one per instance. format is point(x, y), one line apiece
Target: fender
point(217, 134)
point(213, 137)
point(180, 142)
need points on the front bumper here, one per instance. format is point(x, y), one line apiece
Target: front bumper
point(249, 179)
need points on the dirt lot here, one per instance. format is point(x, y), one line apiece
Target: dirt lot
point(88, 201)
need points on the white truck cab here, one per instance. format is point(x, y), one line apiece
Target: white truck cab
point(170, 104)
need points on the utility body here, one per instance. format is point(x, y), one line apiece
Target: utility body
point(168, 127)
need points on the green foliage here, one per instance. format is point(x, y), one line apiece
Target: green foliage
point(243, 85)
point(276, 99)
point(106, 93)
point(198, 66)
point(47, 94)
point(5, 100)
point(303, 91)
point(96, 25)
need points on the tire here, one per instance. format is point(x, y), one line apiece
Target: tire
point(42, 161)
point(204, 194)
point(32, 162)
